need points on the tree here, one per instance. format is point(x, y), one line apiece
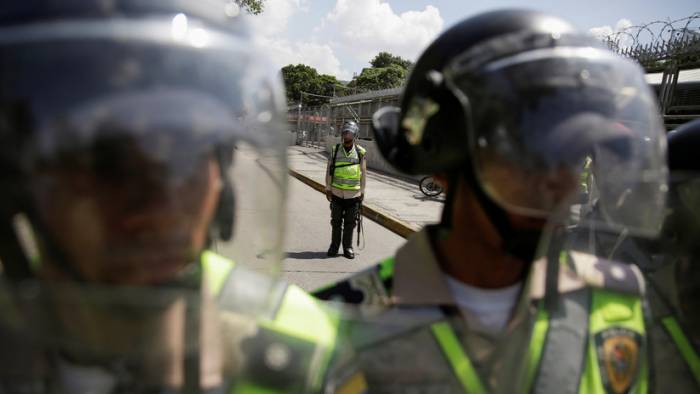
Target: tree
point(302, 78)
point(386, 59)
point(373, 78)
point(387, 71)
point(252, 6)
point(328, 85)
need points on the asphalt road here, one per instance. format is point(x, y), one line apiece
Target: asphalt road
point(308, 237)
point(304, 237)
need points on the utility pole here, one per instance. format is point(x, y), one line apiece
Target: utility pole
point(299, 116)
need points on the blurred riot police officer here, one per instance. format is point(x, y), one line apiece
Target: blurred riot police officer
point(508, 106)
point(135, 136)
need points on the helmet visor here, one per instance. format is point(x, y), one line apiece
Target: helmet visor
point(550, 121)
point(681, 241)
point(147, 150)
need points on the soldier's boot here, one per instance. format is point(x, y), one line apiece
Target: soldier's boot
point(348, 228)
point(336, 227)
point(335, 242)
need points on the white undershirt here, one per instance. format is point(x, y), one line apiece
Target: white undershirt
point(85, 379)
point(491, 307)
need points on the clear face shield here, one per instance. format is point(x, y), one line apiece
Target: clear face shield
point(679, 246)
point(570, 135)
point(149, 161)
point(552, 120)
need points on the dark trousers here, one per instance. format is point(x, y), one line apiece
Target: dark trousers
point(343, 214)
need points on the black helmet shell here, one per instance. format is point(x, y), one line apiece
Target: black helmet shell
point(444, 140)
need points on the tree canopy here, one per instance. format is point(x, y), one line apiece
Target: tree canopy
point(385, 59)
point(373, 78)
point(387, 71)
point(252, 6)
point(302, 78)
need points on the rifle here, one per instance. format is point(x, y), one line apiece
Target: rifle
point(358, 221)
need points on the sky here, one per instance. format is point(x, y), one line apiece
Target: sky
point(340, 37)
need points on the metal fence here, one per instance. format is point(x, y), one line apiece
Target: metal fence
point(312, 125)
point(669, 51)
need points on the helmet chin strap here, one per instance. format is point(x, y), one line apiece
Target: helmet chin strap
point(521, 244)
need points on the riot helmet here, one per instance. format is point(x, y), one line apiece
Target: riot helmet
point(135, 138)
point(128, 113)
point(350, 126)
point(349, 132)
point(516, 101)
point(681, 233)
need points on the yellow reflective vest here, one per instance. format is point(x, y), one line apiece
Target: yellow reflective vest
point(347, 169)
point(294, 316)
point(594, 342)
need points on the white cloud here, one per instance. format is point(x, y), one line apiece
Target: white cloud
point(319, 56)
point(355, 29)
point(602, 32)
point(271, 28)
point(275, 16)
point(367, 27)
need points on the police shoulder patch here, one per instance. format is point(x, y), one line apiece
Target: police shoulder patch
point(618, 351)
point(607, 274)
point(355, 384)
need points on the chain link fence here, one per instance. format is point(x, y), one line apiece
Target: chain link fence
point(311, 125)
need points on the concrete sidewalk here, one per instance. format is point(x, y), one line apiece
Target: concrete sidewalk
point(396, 204)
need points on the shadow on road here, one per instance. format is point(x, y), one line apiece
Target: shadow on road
point(423, 197)
point(307, 255)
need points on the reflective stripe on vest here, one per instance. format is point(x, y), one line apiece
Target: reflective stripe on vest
point(605, 310)
point(298, 315)
point(458, 359)
point(608, 310)
point(386, 269)
point(463, 367)
point(683, 345)
point(347, 176)
point(534, 354)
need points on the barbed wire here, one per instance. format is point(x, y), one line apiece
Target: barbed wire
point(658, 43)
point(655, 32)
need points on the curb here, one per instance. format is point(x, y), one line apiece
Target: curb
point(376, 215)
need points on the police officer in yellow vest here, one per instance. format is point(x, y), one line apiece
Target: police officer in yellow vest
point(507, 106)
point(135, 138)
point(345, 188)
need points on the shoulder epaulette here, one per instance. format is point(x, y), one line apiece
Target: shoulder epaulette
point(578, 270)
point(607, 274)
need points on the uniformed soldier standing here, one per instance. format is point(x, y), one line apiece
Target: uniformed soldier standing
point(134, 135)
point(508, 106)
point(346, 176)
